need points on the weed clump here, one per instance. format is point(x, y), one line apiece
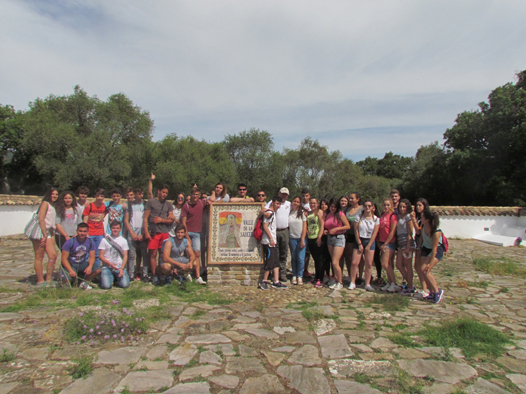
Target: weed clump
point(391, 303)
point(82, 367)
point(503, 266)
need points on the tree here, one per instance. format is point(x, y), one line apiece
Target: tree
point(391, 166)
point(79, 139)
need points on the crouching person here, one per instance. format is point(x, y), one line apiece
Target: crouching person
point(178, 256)
point(78, 258)
point(113, 253)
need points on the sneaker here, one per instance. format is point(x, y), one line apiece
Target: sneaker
point(333, 285)
point(200, 281)
point(306, 274)
point(318, 284)
point(294, 280)
point(408, 291)
point(168, 281)
point(300, 281)
point(85, 286)
point(180, 279)
point(137, 277)
point(52, 284)
point(421, 294)
point(41, 285)
point(394, 288)
point(263, 285)
point(359, 281)
point(404, 285)
point(145, 279)
point(279, 285)
point(352, 286)
point(430, 297)
point(326, 280)
point(380, 282)
point(369, 288)
point(388, 285)
point(338, 286)
point(156, 281)
point(438, 296)
point(188, 277)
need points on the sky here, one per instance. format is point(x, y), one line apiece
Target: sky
point(361, 77)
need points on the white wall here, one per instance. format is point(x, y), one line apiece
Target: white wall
point(13, 218)
point(472, 226)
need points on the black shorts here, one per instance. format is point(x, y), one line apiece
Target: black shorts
point(270, 258)
point(350, 238)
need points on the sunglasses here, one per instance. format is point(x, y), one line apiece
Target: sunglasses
point(261, 195)
point(242, 190)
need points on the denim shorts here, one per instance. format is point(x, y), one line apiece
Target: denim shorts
point(390, 246)
point(438, 256)
point(337, 240)
point(365, 242)
point(196, 241)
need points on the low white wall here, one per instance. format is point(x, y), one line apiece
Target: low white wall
point(13, 218)
point(472, 226)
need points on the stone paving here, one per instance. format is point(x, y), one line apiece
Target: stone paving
point(264, 342)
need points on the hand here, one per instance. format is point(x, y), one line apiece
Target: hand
point(72, 274)
point(426, 269)
point(157, 220)
point(325, 232)
point(152, 177)
point(318, 242)
point(302, 244)
point(413, 215)
point(134, 236)
point(360, 248)
point(42, 242)
point(332, 231)
point(87, 271)
point(272, 243)
point(67, 237)
point(121, 272)
point(140, 238)
point(147, 236)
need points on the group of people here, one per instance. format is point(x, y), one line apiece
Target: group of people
point(156, 241)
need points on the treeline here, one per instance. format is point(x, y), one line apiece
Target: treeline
point(68, 141)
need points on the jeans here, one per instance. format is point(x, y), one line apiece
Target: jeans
point(108, 275)
point(297, 255)
point(97, 239)
point(196, 241)
point(142, 247)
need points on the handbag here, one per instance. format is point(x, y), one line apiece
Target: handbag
point(32, 229)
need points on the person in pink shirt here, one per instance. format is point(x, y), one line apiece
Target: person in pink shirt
point(387, 243)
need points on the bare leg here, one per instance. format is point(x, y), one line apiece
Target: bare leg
point(409, 270)
point(39, 256)
point(336, 253)
point(356, 258)
point(418, 269)
point(386, 265)
point(153, 260)
point(400, 264)
point(368, 263)
point(52, 257)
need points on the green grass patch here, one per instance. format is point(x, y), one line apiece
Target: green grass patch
point(483, 284)
point(404, 384)
point(362, 378)
point(470, 335)
point(391, 303)
point(198, 313)
point(82, 367)
point(503, 266)
point(404, 340)
point(6, 356)
point(312, 314)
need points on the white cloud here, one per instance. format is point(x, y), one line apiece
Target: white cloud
point(294, 68)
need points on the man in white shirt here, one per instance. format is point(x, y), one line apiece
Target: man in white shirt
point(282, 231)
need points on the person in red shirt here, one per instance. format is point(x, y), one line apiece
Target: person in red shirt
point(94, 215)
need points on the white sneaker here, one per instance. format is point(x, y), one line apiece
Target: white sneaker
point(338, 286)
point(85, 286)
point(369, 288)
point(188, 277)
point(394, 288)
point(294, 280)
point(421, 294)
point(352, 286)
point(300, 281)
point(331, 283)
point(388, 285)
point(200, 281)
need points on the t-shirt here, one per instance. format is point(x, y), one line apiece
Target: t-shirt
point(111, 253)
point(306, 206)
point(331, 222)
point(78, 252)
point(194, 215)
point(402, 229)
point(177, 250)
point(136, 216)
point(313, 226)
point(70, 221)
point(295, 224)
point(352, 217)
point(95, 218)
point(282, 214)
point(80, 209)
point(366, 226)
point(224, 199)
point(158, 209)
point(386, 221)
point(115, 212)
point(177, 213)
point(271, 227)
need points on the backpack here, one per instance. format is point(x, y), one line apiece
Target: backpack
point(445, 242)
point(258, 228)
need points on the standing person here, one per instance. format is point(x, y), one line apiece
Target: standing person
point(344, 204)
point(268, 242)
point(177, 254)
point(336, 224)
point(327, 261)
point(82, 199)
point(366, 227)
point(192, 218)
point(432, 253)
point(261, 196)
point(282, 231)
point(115, 209)
point(78, 257)
point(405, 245)
point(113, 252)
point(354, 209)
point(94, 215)
point(315, 226)
point(130, 198)
point(395, 198)
point(43, 242)
point(305, 202)
point(297, 235)
point(241, 194)
point(138, 246)
point(220, 193)
point(420, 206)
point(67, 218)
point(158, 219)
point(177, 212)
point(387, 243)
